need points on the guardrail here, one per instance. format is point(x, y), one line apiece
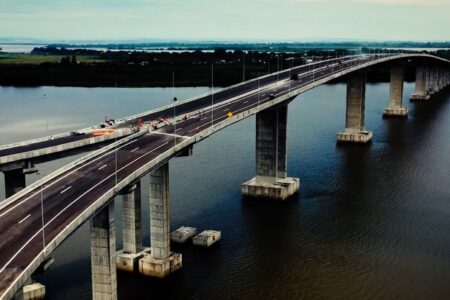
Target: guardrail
point(181, 102)
point(160, 159)
point(68, 167)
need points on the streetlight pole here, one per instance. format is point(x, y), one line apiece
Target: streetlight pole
point(258, 91)
point(314, 66)
point(278, 68)
point(42, 215)
point(290, 73)
point(212, 94)
point(174, 109)
point(243, 65)
point(115, 152)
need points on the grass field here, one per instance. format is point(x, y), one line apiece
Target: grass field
point(8, 58)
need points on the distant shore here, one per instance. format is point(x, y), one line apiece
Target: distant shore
point(51, 66)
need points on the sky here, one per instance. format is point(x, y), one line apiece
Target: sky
point(233, 20)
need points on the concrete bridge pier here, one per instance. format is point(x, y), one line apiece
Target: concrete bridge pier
point(15, 177)
point(271, 179)
point(354, 131)
point(160, 262)
point(447, 77)
point(435, 81)
point(395, 108)
point(429, 84)
point(128, 258)
point(103, 254)
point(442, 78)
point(421, 92)
point(30, 291)
point(14, 181)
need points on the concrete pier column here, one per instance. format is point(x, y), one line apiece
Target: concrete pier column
point(160, 262)
point(271, 179)
point(128, 258)
point(354, 131)
point(447, 77)
point(442, 79)
point(103, 252)
point(14, 181)
point(429, 85)
point(435, 81)
point(395, 108)
point(421, 92)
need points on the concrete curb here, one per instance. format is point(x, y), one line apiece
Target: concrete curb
point(153, 164)
point(67, 167)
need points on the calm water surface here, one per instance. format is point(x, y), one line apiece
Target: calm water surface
point(370, 222)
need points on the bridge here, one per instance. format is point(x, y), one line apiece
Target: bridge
point(35, 220)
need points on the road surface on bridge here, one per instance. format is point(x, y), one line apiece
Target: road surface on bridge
point(181, 108)
point(40, 214)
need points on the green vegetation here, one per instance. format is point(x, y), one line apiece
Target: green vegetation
point(34, 59)
point(89, 67)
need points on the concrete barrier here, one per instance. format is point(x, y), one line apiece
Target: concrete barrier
point(67, 167)
point(151, 165)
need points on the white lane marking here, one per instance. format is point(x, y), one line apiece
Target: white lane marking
point(252, 104)
point(74, 201)
point(102, 167)
point(178, 129)
point(107, 153)
point(170, 134)
point(65, 190)
point(204, 118)
point(24, 218)
point(226, 109)
point(70, 173)
point(137, 148)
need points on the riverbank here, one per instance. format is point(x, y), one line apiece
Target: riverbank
point(91, 68)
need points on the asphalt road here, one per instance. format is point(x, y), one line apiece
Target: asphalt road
point(64, 198)
point(182, 108)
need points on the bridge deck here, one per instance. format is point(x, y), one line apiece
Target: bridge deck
point(72, 197)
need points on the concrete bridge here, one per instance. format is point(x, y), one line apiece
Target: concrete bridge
point(38, 218)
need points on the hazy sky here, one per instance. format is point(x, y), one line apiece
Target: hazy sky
point(226, 19)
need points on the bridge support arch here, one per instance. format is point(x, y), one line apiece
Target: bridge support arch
point(354, 131)
point(128, 258)
point(271, 179)
point(103, 254)
point(395, 108)
point(160, 262)
point(422, 82)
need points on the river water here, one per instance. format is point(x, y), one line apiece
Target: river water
point(370, 221)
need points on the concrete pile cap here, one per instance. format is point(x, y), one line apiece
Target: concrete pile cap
point(207, 234)
point(185, 230)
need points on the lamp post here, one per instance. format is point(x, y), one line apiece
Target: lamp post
point(42, 215)
point(290, 73)
point(243, 65)
point(212, 94)
point(258, 91)
point(278, 68)
point(174, 108)
point(115, 152)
